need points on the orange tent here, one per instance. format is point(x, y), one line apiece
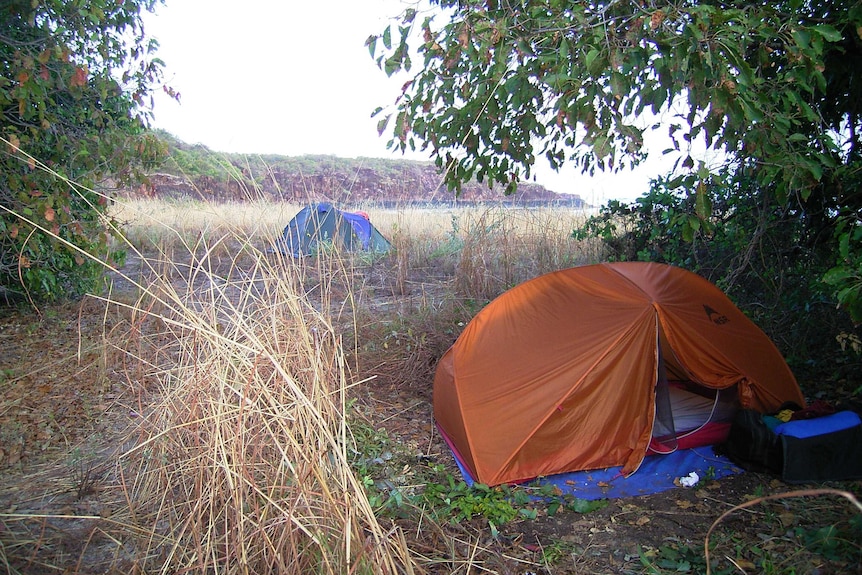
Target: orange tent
point(560, 373)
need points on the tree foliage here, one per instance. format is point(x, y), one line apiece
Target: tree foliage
point(773, 87)
point(77, 77)
point(763, 255)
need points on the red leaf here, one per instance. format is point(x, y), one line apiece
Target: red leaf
point(14, 143)
point(79, 78)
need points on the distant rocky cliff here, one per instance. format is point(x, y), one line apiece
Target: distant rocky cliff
point(342, 181)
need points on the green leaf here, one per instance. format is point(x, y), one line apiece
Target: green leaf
point(828, 33)
point(371, 42)
point(387, 38)
point(687, 232)
point(602, 146)
point(392, 64)
point(382, 123)
point(815, 169)
point(837, 275)
point(702, 202)
point(564, 49)
point(752, 113)
point(803, 38)
point(693, 223)
point(579, 505)
point(591, 57)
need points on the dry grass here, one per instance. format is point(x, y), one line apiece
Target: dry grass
point(242, 466)
point(422, 234)
point(173, 226)
point(238, 366)
point(239, 463)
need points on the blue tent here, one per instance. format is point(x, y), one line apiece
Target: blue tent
point(322, 223)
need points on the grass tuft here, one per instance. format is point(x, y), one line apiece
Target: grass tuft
point(242, 465)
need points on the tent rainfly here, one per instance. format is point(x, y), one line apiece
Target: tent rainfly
point(578, 369)
point(322, 223)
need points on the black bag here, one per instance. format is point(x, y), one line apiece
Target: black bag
point(752, 445)
point(832, 456)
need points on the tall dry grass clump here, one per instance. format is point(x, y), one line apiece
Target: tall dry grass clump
point(502, 247)
point(243, 465)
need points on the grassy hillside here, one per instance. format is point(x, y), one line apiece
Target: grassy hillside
point(195, 170)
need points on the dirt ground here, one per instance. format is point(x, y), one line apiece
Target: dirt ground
point(660, 533)
point(65, 400)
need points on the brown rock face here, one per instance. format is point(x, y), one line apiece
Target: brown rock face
point(350, 181)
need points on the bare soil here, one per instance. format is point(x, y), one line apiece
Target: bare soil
point(66, 399)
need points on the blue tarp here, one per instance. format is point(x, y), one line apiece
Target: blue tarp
point(657, 473)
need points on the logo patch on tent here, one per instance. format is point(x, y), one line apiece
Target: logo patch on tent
point(714, 316)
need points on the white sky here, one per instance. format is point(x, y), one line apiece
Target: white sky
point(294, 77)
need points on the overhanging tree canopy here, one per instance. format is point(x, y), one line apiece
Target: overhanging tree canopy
point(775, 86)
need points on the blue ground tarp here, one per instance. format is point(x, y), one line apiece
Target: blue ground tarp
point(657, 473)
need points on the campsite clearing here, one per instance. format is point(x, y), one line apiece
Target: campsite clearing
point(71, 387)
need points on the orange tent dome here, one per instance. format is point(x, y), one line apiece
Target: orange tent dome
point(559, 373)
